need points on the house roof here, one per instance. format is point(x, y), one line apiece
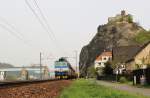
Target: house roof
point(99, 58)
point(125, 54)
point(108, 53)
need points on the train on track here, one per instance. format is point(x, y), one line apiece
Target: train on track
point(64, 70)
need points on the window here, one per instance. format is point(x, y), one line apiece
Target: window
point(104, 58)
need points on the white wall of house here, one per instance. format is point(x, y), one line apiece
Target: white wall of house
point(101, 63)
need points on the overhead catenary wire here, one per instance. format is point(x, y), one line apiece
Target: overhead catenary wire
point(37, 17)
point(57, 44)
point(44, 18)
point(43, 21)
point(13, 29)
point(46, 22)
point(13, 33)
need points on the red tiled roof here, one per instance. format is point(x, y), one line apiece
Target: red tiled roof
point(103, 54)
point(99, 58)
point(106, 54)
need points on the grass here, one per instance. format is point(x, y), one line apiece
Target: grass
point(86, 89)
point(143, 37)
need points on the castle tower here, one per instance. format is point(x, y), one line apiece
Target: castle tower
point(123, 13)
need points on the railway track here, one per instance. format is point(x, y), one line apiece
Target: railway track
point(6, 84)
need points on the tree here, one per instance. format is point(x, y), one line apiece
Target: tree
point(108, 70)
point(91, 71)
point(99, 71)
point(114, 63)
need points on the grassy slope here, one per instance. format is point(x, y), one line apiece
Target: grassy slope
point(85, 89)
point(143, 37)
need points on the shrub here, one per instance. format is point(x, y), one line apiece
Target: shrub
point(91, 71)
point(122, 80)
point(148, 65)
point(108, 70)
point(130, 19)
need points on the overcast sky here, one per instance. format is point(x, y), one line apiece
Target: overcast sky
point(74, 23)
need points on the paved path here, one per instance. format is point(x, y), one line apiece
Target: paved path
point(125, 87)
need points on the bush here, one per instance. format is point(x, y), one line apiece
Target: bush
point(122, 80)
point(148, 65)
point(130, 19)
point(91, 71)
point(108, 70)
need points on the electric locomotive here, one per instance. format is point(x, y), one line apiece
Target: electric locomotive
point(63, 69)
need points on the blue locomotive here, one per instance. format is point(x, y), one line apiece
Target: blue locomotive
point(63, 69)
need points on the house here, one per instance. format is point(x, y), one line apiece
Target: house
point(132, 57)
point(102, 59)
point(141, 59)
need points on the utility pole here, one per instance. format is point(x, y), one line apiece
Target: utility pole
point(40, 65)
point(76, 58)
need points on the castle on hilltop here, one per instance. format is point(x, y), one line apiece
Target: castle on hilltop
point(122, 17)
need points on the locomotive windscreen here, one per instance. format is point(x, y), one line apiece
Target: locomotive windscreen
point(59, 65)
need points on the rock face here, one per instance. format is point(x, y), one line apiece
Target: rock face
point(119, 31)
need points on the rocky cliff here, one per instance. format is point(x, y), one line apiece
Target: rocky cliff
point(119, 31)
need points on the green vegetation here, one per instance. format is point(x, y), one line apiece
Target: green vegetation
point(85, 89)
point(143, 37)
point(130, 18)
point(148, 65)
point(108, 70)
point(122, 80)
point(91, 72)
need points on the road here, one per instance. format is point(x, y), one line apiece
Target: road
point(50, 89)
point(125, 87)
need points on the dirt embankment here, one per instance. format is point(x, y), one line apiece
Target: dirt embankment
point(41, 90)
